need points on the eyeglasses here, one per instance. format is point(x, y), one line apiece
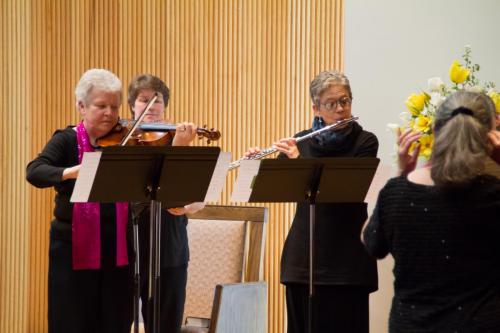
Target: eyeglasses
point(331, 106)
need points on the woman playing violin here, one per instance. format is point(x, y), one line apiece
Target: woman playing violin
point(174, 242)
point(90, 285)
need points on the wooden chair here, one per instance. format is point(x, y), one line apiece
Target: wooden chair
point(225, 291)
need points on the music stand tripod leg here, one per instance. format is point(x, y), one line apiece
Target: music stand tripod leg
point(137, 276)
point(154, 267)
point(312, 221)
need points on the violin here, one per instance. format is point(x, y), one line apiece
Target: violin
point(148, 134)
point(136, 133)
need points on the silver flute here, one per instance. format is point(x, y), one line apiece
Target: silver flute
point(272, 150)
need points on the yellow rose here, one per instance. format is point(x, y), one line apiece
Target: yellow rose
point(458, 74)
point(422, 124)
point(415, 103)
point(496, 99)
point(426, 142)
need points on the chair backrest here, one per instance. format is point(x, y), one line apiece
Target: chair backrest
point(226, 245)
point(240, 307)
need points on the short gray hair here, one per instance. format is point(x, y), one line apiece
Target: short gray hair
point(325, 80)
point(98, 78)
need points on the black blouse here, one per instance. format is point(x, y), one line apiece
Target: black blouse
point(341, 258)
point(46, 170)
point(446, 251)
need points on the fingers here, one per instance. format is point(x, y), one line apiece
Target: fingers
point(494, 137)
point(71, 173)
point(252, 152)
point(188, 128)
point(194, 207)
point(177, 211)
point(288, 147)
point(414, 155)
point(408, 134)
point(406, 139)
point(184, 134)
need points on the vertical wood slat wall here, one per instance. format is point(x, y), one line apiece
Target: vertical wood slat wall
point(241, 66)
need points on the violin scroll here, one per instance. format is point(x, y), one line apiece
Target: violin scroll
point(210, 134)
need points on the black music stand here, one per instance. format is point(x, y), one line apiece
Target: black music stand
point(312, 180)
point(156, 175)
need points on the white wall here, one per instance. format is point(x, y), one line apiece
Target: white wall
point(392, 47)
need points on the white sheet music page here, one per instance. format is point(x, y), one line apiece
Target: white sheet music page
point(244, 183)
point(86, 176)
point(218, 177)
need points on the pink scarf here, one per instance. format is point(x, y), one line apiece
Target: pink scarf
point(86, 227)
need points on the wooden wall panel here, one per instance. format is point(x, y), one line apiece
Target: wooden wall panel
point(241, 66)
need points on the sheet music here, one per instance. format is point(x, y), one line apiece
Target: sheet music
point(244, 183)
point(218, 177)
point(86, 176)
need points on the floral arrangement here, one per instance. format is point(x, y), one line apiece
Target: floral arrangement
point(422, 107)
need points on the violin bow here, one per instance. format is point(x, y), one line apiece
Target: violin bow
point(139, 120)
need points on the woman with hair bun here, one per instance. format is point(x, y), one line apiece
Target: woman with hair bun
point(441, 224)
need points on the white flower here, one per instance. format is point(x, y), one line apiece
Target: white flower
point(437, 99)
point(476, 89)
point(435, 84)
point(405, 116)
point(424, 112)
point(391, 127)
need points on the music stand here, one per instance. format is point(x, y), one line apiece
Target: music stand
point(147, 174)
point(312, 180)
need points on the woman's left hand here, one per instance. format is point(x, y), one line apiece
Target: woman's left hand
point(288, 147)
point(184, 134)
point(188, 209)
point(177, 211)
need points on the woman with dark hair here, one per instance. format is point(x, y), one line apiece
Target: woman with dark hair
point(174, 242)
point(441, 224)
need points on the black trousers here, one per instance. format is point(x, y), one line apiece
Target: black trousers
point(336, 309)
point(172, 297)
point(87, 301)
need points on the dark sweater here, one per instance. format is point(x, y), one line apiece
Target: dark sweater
point(46, 170)
point(446, 251)
point(341, 258)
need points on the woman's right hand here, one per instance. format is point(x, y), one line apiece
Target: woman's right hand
point(406, 161)
point(71, 173)
point(494, 137)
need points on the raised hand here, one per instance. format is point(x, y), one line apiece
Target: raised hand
point(406, 161)
point(494, 136)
